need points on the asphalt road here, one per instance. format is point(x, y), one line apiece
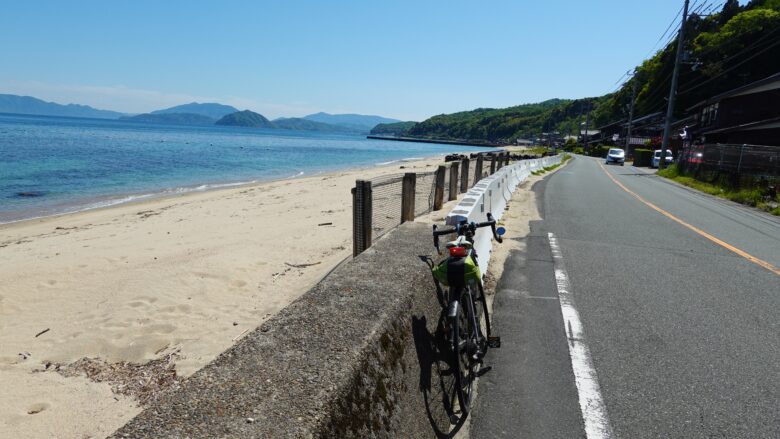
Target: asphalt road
point(683, 332)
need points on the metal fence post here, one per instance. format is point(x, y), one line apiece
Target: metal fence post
point(407, 197)
point(453, 192)
point(478, 169)
point(438, 194)
point(492, 163)
point(741, 152)
point(361, 216)
point(464, 175)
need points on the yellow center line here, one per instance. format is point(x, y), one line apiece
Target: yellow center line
point(723, 244)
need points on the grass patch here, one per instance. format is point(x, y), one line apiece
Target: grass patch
point(547, 169)
point(750, 196)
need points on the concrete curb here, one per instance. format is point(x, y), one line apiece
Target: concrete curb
point(350, 358)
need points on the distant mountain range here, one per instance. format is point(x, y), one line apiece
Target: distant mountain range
point(303, 124)
point(358, 122)
point(200, 114)
point(30, 105)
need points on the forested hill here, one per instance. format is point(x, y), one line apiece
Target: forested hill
point(499, 124)
point(738, 45)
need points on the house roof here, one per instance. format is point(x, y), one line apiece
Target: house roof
point(686, 121)
point(769, 83)
point(612, 124)
point(773, 122)
point(647, 117)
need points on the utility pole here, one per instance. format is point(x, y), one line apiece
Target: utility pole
point(673, 91)
point(587, 126)
point(631, 115)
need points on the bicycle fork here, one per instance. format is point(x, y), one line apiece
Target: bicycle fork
point(472, 339)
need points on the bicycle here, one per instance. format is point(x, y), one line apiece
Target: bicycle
point(468, 328)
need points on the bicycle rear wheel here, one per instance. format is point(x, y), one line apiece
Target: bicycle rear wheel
point(463, 349)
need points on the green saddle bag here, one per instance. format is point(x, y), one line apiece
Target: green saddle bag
point(457, 272)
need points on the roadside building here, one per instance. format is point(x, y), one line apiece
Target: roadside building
point(737, 131)
point(748, 114)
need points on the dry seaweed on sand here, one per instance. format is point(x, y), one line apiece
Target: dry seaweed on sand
point(144, 382)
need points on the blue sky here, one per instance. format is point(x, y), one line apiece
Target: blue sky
point(404, 59)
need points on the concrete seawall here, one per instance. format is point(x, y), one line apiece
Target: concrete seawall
point(353, 357)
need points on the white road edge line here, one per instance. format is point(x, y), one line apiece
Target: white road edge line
point(594, 412)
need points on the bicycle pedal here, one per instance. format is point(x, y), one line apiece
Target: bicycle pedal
point(484, 370)
point(494, 342)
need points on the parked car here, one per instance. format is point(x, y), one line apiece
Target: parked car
point(695, 156)
point(657, 158)
point(616, 155)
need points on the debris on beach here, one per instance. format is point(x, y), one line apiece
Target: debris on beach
point(302, 265)
point(143, 382)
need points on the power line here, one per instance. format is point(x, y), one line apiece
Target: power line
point(731, 68)
point(668, 28)
point(745, 50)
point(701, 6)
point(673, 24)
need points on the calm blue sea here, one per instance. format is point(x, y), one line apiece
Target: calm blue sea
point(52, 165)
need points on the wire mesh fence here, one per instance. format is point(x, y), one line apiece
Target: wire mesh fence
point(386, 211)
point(748, 160)
point(424, 192)
point(383, 203)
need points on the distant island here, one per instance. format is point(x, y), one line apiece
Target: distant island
point(245, 118)
point(398, 129)
point(171, 118)
point(303, 124)
point(250, 119)
point(211, 110)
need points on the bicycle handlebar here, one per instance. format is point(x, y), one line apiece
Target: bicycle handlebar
point(460, 229)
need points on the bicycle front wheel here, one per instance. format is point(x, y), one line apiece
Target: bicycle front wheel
point(482, 314)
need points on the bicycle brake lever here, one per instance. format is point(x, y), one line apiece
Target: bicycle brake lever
point(436, 240)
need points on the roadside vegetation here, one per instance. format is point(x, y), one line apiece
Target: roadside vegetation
point(752, 194)
point(553, 167)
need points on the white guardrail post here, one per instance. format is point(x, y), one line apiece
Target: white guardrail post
point(491, 195)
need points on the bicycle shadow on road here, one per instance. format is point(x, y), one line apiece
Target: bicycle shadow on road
point(437, 380)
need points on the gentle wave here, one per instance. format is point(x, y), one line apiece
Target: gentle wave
point(76, 208)
point(409, 159)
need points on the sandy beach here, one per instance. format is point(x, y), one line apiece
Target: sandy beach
point(175, 280)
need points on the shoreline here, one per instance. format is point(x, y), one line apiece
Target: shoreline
point(184, 275)
point(480, 144)
point(135, 198)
